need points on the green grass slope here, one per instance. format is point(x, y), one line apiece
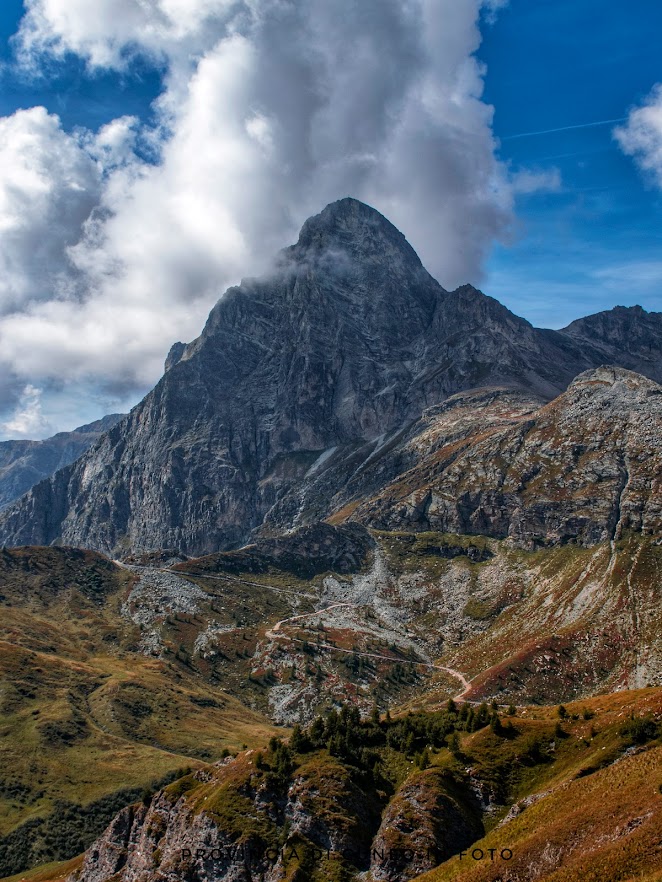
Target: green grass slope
point(572, 793)
point(87, 722)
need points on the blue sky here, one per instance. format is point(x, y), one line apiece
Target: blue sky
point(558, 63)
point(217, 146)
point(66, 87)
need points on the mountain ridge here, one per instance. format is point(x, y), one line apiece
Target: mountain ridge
point(24, 463)
point(582, 468)
point(347, 341)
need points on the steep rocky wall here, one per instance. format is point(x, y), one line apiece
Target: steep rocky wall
point(337, 351)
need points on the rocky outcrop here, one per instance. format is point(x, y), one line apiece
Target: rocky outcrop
point(328, 359)
point(168, 841)
point(306, 552)
point(240, 830)
point(423, 826)
point(175, 355)
point(585, 468)
point(24, 463)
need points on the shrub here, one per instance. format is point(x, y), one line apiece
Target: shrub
point(534, 750)
point(496, 726)
point(423, 759)
point(639, 730)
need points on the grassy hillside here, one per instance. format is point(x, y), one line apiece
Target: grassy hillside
point(594, 811)
point(114, 679)
point(87, 723)
point(573, 792)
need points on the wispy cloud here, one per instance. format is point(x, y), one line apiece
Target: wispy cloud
point(639, 274)
point(27, 421)
point(528, 181)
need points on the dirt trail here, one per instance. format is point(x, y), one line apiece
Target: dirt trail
point(271, 633)
point(276, 632)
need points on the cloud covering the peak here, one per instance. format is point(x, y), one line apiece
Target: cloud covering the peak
point(270, 109)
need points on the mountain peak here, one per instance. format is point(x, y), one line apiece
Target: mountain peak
point(347, 215)
point(323, 362)
point(615, 320)
point(355, 228)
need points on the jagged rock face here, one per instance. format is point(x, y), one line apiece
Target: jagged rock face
point(634, 332)
point(585, 468)
point(126, 850)
point(24, 463)
point(422, 826)
point(344, 344)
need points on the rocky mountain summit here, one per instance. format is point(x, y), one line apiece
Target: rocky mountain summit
point(306, 376)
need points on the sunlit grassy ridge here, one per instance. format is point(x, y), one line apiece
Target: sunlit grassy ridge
point(597, 809)
point(573, 791)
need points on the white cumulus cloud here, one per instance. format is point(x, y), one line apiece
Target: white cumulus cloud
point(269, 111)
point(48, 187)
point(641, 136)
point(108, 32)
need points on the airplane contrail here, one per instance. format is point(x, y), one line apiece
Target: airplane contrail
point(602, 122)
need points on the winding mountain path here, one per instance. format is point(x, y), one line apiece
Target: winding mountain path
point(276, 631)
point(271, 633)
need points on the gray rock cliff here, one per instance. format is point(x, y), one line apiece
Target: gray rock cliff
point(24, 463)
point(340, 348)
